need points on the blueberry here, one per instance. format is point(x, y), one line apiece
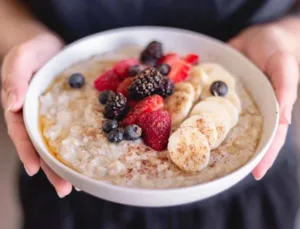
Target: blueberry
point(116, 135)
point(134, 70)
point(218, 88)
point(76, 80)
point(103, 97)
point(109, 125)
point(164, 69)
point(132, 132)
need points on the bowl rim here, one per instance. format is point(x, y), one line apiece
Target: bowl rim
point(103, 184)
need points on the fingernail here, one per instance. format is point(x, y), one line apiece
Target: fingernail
point(11, 101)
point(260, 176)
point(60, 195)
point(77, 189)
point(30, 173)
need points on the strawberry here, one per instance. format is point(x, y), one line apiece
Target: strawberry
point(121, 69)
point(179, 67)
point(156, 126)
point(148, 104)
point(169, 59)
point(179, 71)
point(192, 58)
point(123, 86)
point(131, 103)
point(107, 81)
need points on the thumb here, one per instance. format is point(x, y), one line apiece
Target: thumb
point(21, 63)
point(283, 70)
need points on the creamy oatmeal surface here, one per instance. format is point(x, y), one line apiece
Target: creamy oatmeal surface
point(71, 122)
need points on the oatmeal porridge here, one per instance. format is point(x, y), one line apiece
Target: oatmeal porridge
point(151, 121)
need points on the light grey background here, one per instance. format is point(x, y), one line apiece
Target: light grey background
point(10, 214)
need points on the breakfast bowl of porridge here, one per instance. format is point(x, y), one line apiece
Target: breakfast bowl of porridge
point(151, 116)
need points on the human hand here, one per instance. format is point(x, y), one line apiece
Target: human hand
point(18, 67)
point(272, 48)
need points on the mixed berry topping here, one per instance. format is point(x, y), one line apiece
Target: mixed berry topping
point(152, 53)
point(133, 94)
point(115, 107)
point(218, 88)
point(76, 80)
point(145, 84)
point(132, 132)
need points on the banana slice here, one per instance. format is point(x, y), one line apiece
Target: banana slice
point(178, 105)
point(185, 87)
point(222, 126)
point(216, 72)
point(197, 78)
point(206, 126)
point(189, 149)
point(230, 108)
point(231, 96)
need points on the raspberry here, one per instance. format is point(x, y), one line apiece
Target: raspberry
point(151, 103)
point(121, 69)
point(156, 126)
point(107, 81)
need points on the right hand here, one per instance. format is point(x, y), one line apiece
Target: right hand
point(18, 67)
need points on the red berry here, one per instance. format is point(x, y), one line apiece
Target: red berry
point(192, 58)
point(107, 81)
point(121, 69)
point(156, 126)
point(123, 86)
point(179, 71)
point(148, 104)
point(169, 59)
point(179, 67)
point(131, 103)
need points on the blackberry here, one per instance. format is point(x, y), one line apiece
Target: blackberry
point(116, 135)
point(76, 80)
point(116, 106)
point(109, 125)
point(132, 132)
point(145, 84)
point(164, 69)
point(152, 53)
point(218, 88)
point(166, 88)
point(103, 97)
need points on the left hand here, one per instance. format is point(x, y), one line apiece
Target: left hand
point(272, 48)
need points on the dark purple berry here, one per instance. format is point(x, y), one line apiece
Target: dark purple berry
point(218, 88)
point(115, 107)
point(132, 132)
point(135, 69)
point(164, 69)
point(116, 135)
point(152, 53)
point(76, 80)
point(109, 125)
point(103, 97)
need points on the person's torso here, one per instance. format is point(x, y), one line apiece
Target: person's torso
point(73, 19)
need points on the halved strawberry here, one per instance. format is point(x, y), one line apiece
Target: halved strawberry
point(156, 126)
point(107, 81)
point(123, 86)
point(179, 71)
point(179, 67)
point(121, 69)
point(192, 58)
point(169, 59)
point(148, 104)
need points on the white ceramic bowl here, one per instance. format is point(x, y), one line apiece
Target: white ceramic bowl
point(177, 40)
